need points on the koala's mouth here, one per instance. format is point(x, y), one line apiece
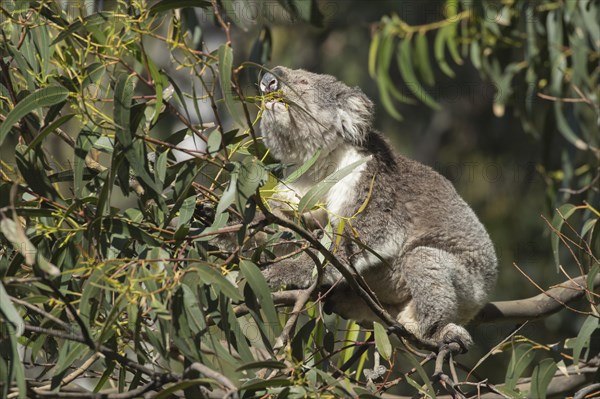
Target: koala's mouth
point(275, 102)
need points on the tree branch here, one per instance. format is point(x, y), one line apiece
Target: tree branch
point(542, 305)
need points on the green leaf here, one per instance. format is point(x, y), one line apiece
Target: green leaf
point(566, 211)
point(230, 193)
point(195, 318)
point(386, 99)
point(85, 141)
point(300, 340)
point(385, 61)
point(214, 142)
point(439, 51)
point(16, 365)
point(541, 377)
point(583, 338)
point(32, 168)
point(186, 211)
point(180, 387)
point(351, 335)
point(564, 127)
point(260, 288)
point(10, 313)
point(261, 50)
point(298, 173)
point(521, 357)
point(319, 190)
point(13, 231)
point(382, 341)
point(264, 364)
point(237, 12)
point(132, 146)
point(405, 61)
point(40, 98)
point(373, 51)
point(47, 130)
point(452, 43)
point(422, 373)
point(166, 5)
point(91, 297)
point(122, 111)
point(212, 277)
point(160, 167)
point(68, 354)
point(225, 56)
point(123, 228)
point(261, 384)
point(591, 276)
point(422, 59)
point(252, 175)
point(91, 21)
point(160, 82)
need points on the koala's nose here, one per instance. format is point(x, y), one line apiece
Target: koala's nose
point(268, 83)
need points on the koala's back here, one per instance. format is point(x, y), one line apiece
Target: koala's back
point(421, 201)
point(427, 236)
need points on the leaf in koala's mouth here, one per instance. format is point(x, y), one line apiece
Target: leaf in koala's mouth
point(274, 101)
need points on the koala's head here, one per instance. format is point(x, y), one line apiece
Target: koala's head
point(305, 111)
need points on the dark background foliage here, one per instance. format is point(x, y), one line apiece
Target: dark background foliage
point(106, 255)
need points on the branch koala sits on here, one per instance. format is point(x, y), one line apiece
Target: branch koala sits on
point(435, 264)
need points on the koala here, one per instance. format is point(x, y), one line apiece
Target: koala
point(415, 242)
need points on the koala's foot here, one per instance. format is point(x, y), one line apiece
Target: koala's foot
point(290, 274)
point(453, 333)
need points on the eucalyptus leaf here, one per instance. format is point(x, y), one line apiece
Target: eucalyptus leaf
point(40, 98)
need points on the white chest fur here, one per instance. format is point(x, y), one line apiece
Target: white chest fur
point(341, 198)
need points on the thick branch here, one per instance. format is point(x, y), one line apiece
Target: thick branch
point(542, 305)
point(559, 385)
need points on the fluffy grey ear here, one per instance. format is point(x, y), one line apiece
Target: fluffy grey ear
point(355, 112)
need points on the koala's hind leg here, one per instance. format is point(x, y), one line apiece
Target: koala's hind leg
point(434, 278)
point(292, 273)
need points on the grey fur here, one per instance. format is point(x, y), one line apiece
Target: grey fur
point(439, 263)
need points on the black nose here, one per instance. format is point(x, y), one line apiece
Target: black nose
point(269, 83)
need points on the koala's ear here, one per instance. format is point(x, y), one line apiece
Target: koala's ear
point(355, 112)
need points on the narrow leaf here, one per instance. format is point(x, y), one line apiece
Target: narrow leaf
point(318, 191)
point(541, 377)
point(225, 56)
point(166, 5)
point(10, 313)
point(562, 214)
point(422, 59)
point(382, 341)
point(41, 98)
point(583, 338)
point(295, 175)
point(405, 61)
point(47, 130)
point(259, 286)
